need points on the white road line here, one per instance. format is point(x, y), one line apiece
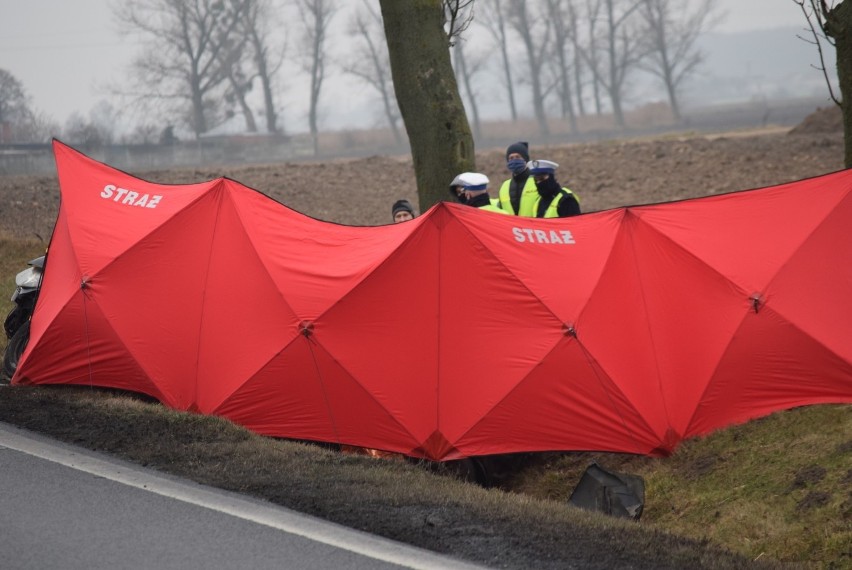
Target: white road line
point(232, 504)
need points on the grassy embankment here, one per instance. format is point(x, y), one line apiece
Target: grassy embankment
point(779, 488)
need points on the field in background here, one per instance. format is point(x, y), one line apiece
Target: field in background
point(243, 149)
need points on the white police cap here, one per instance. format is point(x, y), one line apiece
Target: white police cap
point(542, 166)
point(457, 181)
point(471, 181)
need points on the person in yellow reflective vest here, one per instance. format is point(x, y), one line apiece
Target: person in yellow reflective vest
point(518, 194)
point(554, 201)
point(471, 189)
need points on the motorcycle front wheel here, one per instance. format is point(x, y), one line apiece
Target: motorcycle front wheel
point(14, 350)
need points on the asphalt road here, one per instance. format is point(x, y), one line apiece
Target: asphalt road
point(65, 507)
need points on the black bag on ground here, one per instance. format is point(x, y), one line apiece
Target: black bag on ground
point(616, 494)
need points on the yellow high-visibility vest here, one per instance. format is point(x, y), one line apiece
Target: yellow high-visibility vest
point(492, 208)
point(529, 198)
point(551, 211)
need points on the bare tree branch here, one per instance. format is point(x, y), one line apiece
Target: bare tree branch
point(816, 14)
point(671, 31)
point(492, 18)
point(369, 60)
point(183, 56)
point(458, 14)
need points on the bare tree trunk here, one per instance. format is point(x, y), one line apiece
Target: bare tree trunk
point(316, 16)
point(464, 72)
point(268, 97)
point(557, 13)
point(593, 8)
point(240, 96)
point(838, 26)
point(428, 96)
point(492, 18)
point(317, 76)
point(578, 59)
point(621, 47)
point(370, 62)
point(257, 23)
point(535, 55)
point(199, 120)
point(671, 32)
point(614, 83)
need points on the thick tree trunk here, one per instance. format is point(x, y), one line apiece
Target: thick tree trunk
point(427, 94)
point(838, 24)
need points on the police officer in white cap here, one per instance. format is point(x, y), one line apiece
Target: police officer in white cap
point(471, 188)
point(554, 200)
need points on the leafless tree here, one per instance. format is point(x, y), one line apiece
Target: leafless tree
point(96, 131)
point(586, 46)
point(316, 16)
point(558, 13)
point(249, 58)
point(19, 122)
point(672, 29)
point(369, 60)
point(183, 54)
point(832, 22)
point(267, 54)
point(14, 102)
point(492, 17)
point(235, 67)
point(620, 44)
point(535, 33)
point(466, 67)
point(574, 26)
point(246, 57)
point(143, 133)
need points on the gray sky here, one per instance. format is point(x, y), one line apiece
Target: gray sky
point(67, 53)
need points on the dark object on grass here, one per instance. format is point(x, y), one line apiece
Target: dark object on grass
point(616, 494)
point(17, 324)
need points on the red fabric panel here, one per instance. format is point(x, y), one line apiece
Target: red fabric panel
point(463, 332)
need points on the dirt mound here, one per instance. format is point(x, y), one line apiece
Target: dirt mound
point(823, 120)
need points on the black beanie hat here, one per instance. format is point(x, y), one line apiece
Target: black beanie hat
point(402, 205)
point(522, 148)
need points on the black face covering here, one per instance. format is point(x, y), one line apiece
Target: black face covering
point(548, 187)
point(458, 196)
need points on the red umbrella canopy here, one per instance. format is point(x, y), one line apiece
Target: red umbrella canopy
point(459, 333)
point(758, 318)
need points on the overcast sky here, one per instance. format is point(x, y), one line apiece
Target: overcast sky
point(66, 52)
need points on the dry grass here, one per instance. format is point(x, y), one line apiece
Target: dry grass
point(778, 488)
point(400, 500)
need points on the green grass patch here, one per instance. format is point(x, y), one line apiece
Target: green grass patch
point(779, 487)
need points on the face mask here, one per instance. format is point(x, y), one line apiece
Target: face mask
point(517, 165)
point(547, 187)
